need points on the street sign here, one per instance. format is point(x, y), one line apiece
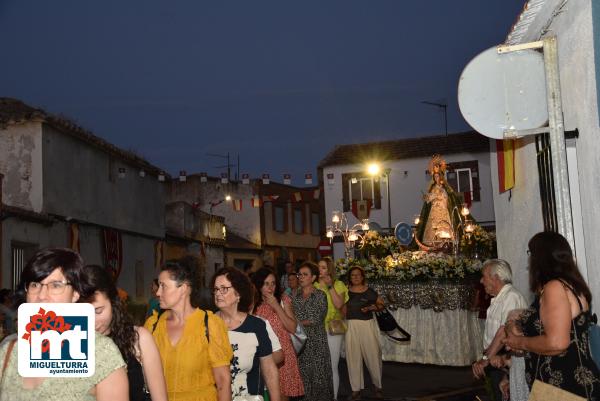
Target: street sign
point(403, 233)
point(324, 248)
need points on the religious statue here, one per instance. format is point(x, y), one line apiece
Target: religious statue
point(437, 223)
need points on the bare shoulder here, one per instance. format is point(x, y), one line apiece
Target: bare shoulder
point(144, 334)
point(553, 287)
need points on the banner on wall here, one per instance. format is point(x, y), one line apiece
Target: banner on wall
point(113, 251)
point(158, 254)
point(74, 237)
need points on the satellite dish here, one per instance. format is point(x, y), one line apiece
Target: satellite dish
point(498, 92)
point(375, 227)
point(403, 233)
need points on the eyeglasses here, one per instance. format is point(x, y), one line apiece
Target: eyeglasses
point(222, 290)
point(54, 287)
point(302, 274)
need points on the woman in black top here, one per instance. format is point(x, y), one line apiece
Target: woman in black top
point(553, 332)
point(144, 368)
point(362, 337)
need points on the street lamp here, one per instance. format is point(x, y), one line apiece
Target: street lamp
point(374, 169)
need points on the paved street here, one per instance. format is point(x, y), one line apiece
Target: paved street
point(415, 382)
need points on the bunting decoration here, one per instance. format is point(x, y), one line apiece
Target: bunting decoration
point(158, 254)
point(256, 201)
point(361, 209)
point(468, 199)
point(317, 193)
point(297, 196)
point(203, 177)
point(266, 179)
point(122, 172)
point(270, 198)
point(74, 237)
point(182, 176)
point(308, 179)
point(330, 179)
point(237, 205)
point(505, 153)
point(245, 179)
point(113, 251)
point(287, 179)
point(161, 176)
point(224, 178)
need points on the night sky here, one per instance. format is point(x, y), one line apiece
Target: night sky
point(278, 82)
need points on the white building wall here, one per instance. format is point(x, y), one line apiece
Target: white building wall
point(520, 217)
point(408, 182)
point(21, 165)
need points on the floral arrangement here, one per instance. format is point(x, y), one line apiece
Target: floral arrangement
point(411, 265)
point(479, 243)
point(379, 246)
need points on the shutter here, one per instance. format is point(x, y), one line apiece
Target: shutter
point(345, 191)
point(377, 192)
point(475, 181)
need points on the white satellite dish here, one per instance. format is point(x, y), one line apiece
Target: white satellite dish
point(504, 92)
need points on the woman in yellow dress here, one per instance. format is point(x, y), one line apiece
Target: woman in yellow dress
point(193, 343)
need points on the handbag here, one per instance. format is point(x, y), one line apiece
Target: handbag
point(298, 338)
point(336, 327)
point(388, 324)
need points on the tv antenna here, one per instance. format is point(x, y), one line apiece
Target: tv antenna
point(228, 165)
point(441, 105)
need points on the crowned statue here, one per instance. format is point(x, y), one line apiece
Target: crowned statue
point(436, 224)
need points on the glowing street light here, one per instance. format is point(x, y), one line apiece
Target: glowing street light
point(373, 169)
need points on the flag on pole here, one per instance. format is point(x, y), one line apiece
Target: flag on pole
point(245, 179)
point(308, 179)
point(505, 153)
point(287, 179)
point(237, 204)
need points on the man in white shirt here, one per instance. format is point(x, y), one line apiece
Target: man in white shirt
point(496, 277)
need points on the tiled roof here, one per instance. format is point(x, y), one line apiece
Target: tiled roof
point(234, 241)
point(14, 111)
point(25, 214)
point(464, 142)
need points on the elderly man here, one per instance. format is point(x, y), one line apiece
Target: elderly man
point(496, 277)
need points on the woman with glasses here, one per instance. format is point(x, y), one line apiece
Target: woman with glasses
point(144, 369)
point(310, 305)
point(337, 295)
point(57, 276)
point(252, 350)
point(277, 310)
point(553, 331)
point(193, 344)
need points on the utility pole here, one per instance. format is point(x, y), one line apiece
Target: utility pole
point(228, 165)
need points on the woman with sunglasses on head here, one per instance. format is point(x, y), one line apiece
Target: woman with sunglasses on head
point(193, 344)
point(144, 369)
point(252, 350)
point(310, 306)
point(277, 310)
point(553, 331)
point(57, 276)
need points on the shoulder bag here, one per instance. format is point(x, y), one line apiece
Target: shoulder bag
point(388, 324)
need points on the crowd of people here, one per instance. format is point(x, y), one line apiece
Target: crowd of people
point(243, 350)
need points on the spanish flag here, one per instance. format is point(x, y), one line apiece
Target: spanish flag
point(505, 152)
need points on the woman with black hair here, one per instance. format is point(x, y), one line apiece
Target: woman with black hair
point(193, 343)
point(144, 369)
point(277, 310)
point(252, 349)
point(554, 330)
point(57, 276)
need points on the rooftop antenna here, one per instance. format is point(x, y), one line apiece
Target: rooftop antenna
point(228, 165)
point(444, 106)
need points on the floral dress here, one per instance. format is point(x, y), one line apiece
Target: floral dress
point(314, 367)
point(290, 381)
point(565, 370)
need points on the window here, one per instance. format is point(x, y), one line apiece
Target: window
point(298, 221)
point(20, 254)
point(315, 223)
point(279, 218)
point(463, 177)
point(358, 187)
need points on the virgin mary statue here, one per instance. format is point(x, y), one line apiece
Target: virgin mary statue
point(436, 222)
